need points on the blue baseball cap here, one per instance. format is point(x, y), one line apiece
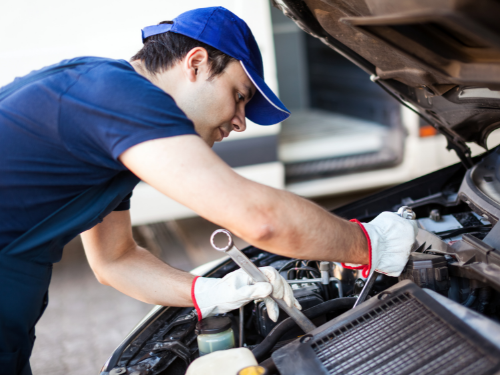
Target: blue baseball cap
point(223, 30)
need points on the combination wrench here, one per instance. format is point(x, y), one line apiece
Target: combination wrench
point(257, 276)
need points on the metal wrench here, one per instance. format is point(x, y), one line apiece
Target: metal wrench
point(257, 276)
point(406, 213)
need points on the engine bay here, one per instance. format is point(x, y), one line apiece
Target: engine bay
point(454, 257)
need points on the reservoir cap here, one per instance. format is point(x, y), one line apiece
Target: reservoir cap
point(212, 325)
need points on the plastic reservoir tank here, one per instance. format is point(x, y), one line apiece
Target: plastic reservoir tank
point(225, 362)
point(214, 333)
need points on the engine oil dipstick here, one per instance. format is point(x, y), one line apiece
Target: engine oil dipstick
point(251, 269)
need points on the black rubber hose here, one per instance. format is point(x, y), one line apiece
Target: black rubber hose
point(277, 332)
point(270, 367)
point(471, 299)
point(287, 264)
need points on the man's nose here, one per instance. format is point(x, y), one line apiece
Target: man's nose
point(239, 122)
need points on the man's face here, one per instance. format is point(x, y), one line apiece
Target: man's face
point(217, 106)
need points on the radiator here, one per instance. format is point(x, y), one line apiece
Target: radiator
point(400, 331)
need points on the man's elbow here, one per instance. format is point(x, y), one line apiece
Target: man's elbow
point(100, 276)
point(263, 229)
point(261, 233)
point(105, 267)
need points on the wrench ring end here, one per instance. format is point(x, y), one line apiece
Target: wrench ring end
point(230, 243)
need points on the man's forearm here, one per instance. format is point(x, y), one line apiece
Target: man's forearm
point(141, 275)
point(321, 236)
point(299, 228)
point(117, 261)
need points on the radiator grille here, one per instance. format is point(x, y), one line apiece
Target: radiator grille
point(402, 336)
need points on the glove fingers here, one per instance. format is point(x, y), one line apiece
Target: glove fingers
point(270, 273)
point(392, 238)
point(297, 304)
point(290, 299)
point(276, 280)
point(278, 290)
point(256, 291)
point(281, 289)
point(288, 296)
point(272, 309)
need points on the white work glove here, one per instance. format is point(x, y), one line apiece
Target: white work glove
point(390, 238)
point(217, 296)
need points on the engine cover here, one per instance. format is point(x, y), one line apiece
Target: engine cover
point(427, 271)
point(307, 297)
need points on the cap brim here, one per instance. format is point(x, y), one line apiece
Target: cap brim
point(264, 108)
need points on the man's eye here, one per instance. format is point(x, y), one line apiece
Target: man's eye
point(240, 97)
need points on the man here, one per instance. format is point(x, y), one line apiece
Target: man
point(70, 135)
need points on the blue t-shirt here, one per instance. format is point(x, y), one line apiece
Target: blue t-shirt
point(63, 133)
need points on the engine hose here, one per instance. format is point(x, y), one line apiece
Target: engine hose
point(471, 299)
point(338, 304)
point(270, 367)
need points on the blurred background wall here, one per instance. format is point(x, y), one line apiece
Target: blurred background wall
point(346, 138)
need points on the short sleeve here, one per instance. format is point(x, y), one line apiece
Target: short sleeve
point(124, 204)
point(111, 108)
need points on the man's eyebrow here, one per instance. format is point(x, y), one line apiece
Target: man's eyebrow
point(249, 92)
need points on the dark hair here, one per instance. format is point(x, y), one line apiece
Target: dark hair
point(162, 51)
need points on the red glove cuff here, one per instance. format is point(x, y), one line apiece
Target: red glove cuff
point(194, 299)
point(366, 267)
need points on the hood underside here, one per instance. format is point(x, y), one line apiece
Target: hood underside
point(441, 56)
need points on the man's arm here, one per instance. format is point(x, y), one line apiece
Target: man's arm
point(117, 261)
point(188, 171)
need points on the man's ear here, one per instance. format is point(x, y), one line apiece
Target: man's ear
point(195, 64)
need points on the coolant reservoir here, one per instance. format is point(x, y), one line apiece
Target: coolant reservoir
point(214, 333)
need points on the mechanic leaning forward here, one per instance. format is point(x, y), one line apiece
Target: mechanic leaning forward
point(76, 137)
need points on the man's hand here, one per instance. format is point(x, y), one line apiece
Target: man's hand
point(390, 238)
point(217, 296)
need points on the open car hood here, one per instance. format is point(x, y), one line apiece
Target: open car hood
point(440, 57)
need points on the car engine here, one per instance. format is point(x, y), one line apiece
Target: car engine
point(440, 316)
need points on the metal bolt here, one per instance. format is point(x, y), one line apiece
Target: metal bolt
point(325, 272)
point(383, 295)
point(360, 283)
point(305, 339)
point(406, 213)
point(435, 215)
point(118, 371)
point(324, 266)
